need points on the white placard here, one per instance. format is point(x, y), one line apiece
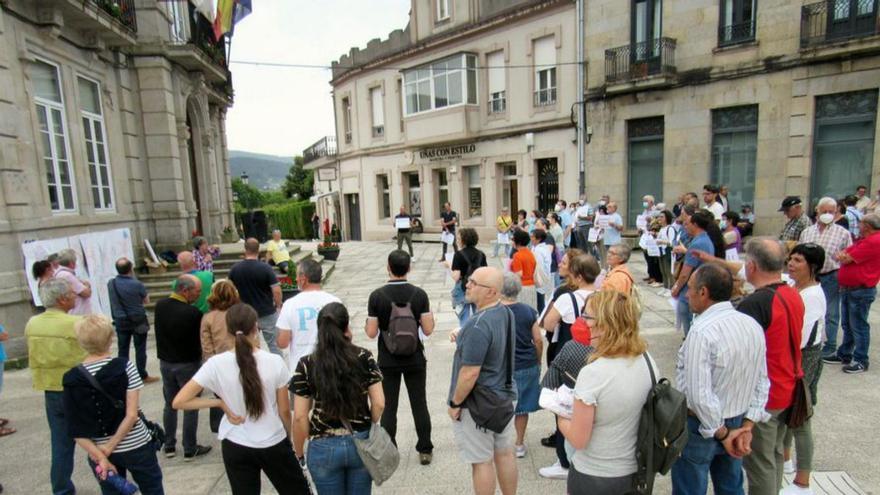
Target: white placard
point(447, 238)
point(594, 235)
point(731, 254)
point(603, 221)
point(402, 223)
point(642, 222)
point(503, 238)
point(649, 244)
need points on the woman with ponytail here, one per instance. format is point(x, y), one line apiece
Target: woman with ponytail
point(252, 388)
point(340, 384)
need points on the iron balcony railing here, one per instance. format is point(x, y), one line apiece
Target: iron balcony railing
point(121, 10)
point(326, 146)
point(545, 97)
point(640, 60)
point(736, 33)
point(838, 20)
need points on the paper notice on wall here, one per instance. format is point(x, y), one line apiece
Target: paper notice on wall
point(101, 250)
point(35, 251)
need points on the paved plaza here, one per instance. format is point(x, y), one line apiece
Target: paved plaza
point(844, 424)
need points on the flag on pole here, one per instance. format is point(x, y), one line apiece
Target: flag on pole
point(242, 9)
point(205, 7)
point(223, 20)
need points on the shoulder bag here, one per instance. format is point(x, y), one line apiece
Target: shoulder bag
point(489, 410)
point(138, 323)
point(378, 452)
point(157, 433)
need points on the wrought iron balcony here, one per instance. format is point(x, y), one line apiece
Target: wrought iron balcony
point(735, 34)
point(121, 10)
point(194, 46)
point(640, 60)
point(836, 20)
point(326, 146)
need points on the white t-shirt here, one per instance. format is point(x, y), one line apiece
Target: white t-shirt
point(563, 304)
point(220, 374)
point(618, 387)
point(717, 210)
point(814, 313)
point(299, 315)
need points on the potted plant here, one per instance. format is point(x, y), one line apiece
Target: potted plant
point(288, 288)
point(229, 236)
point(328, 249)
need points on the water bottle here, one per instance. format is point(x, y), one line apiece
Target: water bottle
point(122, 485)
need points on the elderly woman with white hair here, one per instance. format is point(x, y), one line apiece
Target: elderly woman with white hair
point(101, 402)
point(527, 357)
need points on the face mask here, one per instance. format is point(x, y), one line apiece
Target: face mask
point(644, 204)
point(723, 224)
point(602, 203)
point(826, 218)
point(558, 208)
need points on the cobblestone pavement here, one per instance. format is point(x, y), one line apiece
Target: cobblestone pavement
point(849, 406)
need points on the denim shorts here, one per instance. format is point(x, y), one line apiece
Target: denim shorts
point(528, 389)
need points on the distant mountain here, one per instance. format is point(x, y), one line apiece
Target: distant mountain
point(265, 172)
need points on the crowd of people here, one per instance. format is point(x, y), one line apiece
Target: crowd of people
point(759, 318)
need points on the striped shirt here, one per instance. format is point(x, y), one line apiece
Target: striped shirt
point(722, 368)
point(833, 240)
point(138, 436)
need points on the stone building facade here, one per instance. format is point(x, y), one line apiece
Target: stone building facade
point(110, 117)
point(470, 104)
point(772, 97)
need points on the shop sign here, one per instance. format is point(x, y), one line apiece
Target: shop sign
point(447, 152)
point(327, 173)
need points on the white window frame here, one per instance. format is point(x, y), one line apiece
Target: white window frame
point(377, 111)
point(496, 72)
point(545, 75)
point(96, 121)
point(411, 78)
point(52, 152)
point(442, 10)
point(346, 118)
point(470, 186)
point(178, 10)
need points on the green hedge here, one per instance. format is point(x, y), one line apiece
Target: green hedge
point(293, 219)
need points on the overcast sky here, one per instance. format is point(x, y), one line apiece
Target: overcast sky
point(281, 111)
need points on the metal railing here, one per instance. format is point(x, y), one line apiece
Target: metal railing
point(121, 10)
point(545, 97)
point(326, 146)
point(640, 60)
point(736, 33)
point(830, 21)
point(498, 105)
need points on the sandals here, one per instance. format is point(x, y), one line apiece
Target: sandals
point(6, 431)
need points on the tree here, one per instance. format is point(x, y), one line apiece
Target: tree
point(249, 197)
point(299, 180)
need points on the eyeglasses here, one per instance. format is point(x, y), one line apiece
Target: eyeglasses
point(472, 282)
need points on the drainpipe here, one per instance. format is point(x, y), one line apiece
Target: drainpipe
point(581, 110)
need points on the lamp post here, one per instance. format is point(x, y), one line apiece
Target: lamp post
point(244, 178)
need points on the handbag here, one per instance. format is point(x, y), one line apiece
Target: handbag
point(139, 324)
point(157, 433)
point(801, 408)
point(378, 452)
point(489, 410)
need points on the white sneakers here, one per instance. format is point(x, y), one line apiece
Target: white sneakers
point(521, 451)
point(789, 467)
point(793, 489)
point(554, 472)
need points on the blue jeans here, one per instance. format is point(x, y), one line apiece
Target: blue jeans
point(124, 338)
point(62, 445)
point(144, 468)
point(854, 305)
point(685, 316)
point(703, 457)
point(270, 334)
point(336, 467)
point(495, 250)
point(832, 313)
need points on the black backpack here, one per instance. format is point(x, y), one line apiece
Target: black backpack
point(472, 267)
point(402, 335)
point(663, 432)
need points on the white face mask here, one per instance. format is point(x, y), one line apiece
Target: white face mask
point(558, 208)
point(602, 203)
point(826, 218)
point(644, 204)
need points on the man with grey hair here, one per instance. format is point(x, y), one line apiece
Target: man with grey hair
point(81, 288)
point(300, 313)
point(188, 265)
point(258, 286)
point(277, 253)
point(858, 277)
point(52, 350)
point(527, 353)
point(833, 239)
point(179, 348)
point(779, 310)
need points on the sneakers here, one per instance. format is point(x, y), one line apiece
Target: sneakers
point(793, 489)
point(200, 451)
point(554, 472)
point(170, 452)
point(834, 359)
point(855, 367)
point(521, 451)
point(789, 467)
point(655, 285)
point(425, 458)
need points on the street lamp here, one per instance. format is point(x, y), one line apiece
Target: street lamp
point(244, 178)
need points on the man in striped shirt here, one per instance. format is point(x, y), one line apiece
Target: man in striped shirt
point(722, 369)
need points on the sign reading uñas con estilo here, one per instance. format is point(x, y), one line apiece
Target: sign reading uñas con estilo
point(446, 152)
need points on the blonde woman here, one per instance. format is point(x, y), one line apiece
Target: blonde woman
point(214, 333)
point(609, 394)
